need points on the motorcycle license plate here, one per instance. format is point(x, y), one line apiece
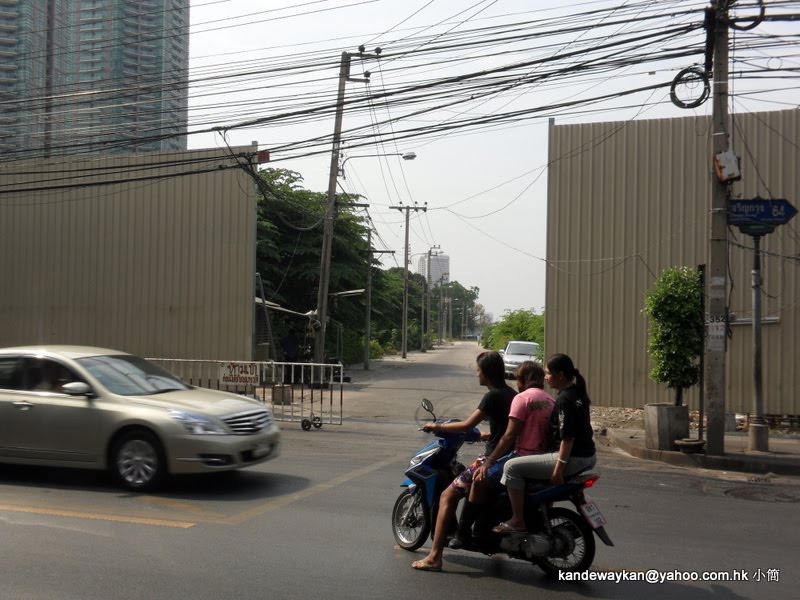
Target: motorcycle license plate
point(593, 515)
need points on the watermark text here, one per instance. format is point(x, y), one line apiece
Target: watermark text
point(656, 576)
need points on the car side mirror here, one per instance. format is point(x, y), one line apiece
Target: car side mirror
point(501, 351)
point(77, 388)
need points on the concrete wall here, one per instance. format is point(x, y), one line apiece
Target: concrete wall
point(159, 259)
point(627, 200)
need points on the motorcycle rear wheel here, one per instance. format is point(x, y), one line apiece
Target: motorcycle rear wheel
point(411, 521)
point(574, 544)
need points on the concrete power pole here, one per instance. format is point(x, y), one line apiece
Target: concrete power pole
point(404, 326)
point(429, 279)
point(330, 213)
point(368, 317)
point(422, 318)
point(717, 319)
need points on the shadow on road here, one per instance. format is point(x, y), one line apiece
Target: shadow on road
point(230, 486)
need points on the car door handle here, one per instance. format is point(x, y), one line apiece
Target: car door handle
point(22, 405)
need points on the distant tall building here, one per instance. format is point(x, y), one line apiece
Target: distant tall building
point(439, 268)
point(93, 76)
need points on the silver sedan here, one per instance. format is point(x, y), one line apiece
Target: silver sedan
point(76, 406)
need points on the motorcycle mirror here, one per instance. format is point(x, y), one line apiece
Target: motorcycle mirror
point(428, 406)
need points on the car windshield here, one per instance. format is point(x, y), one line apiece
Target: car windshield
point(130, 375)
point(529, 348)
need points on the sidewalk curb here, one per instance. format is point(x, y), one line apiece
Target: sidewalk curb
point(631, 441)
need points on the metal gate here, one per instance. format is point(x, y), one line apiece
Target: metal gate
point(309, 393)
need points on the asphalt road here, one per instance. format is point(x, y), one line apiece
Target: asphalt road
point(316, 521)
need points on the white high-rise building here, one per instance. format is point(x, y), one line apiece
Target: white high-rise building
point(439, 271)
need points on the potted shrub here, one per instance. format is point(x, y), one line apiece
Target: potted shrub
point(674, 306)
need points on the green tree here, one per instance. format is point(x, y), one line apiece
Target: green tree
point(288, 250)
point(523, 325)
point(387, 306)
point(674, 306)
point(459, 300)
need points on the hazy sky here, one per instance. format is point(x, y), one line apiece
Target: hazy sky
point(485, 188)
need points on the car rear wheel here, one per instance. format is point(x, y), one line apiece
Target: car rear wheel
point(138, 461)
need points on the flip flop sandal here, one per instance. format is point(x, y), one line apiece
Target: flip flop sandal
point(423, 566)
point(505, 528)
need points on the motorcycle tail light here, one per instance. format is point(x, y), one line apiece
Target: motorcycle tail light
point(590, 482)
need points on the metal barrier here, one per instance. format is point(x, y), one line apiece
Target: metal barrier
point(310, 393)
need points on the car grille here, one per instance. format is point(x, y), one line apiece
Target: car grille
point(249, 423)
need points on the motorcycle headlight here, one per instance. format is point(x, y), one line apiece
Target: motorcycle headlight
point(197, 424)
point(422, 456)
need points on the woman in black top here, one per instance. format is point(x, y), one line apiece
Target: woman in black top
point(573, 437)
point(493, 407)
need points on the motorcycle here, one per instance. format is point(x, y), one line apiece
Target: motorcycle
point(557, 539)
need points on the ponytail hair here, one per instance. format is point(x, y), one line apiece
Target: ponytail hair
point(561, 363)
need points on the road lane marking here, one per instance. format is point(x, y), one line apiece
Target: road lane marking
point(312, 491)
point(201, 514)
point(54, 512)
point(183, 506)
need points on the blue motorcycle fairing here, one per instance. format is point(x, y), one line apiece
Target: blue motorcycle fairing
point(426, 448)
point(425, 478)
point(427, 472)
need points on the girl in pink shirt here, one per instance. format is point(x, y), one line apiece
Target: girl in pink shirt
point(528, 431)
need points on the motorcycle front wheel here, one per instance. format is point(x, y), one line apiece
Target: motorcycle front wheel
point(573, 545)
point(411, 521)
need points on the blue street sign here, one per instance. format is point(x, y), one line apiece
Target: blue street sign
point(760, 211)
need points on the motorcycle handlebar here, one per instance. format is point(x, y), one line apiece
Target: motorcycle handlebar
point(473, 435)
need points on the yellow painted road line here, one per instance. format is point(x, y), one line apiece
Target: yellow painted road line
point(193, 510)
point(312, 491)
point(53, 512)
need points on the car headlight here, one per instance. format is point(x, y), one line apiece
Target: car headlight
point(197, 424)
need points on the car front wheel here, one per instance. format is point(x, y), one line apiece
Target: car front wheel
point(138, 461)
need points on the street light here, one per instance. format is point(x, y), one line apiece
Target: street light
point(327, 234)
point(348, 293)
point(403, 155)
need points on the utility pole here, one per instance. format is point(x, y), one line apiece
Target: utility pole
point(404, 331)
point(368, 318)
point(450, 310)
point(717, 319)
point(441, 305)
point(758, 429)
point(422, 318)
point(429, 279)
point(441, 312)
point(330, 213)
